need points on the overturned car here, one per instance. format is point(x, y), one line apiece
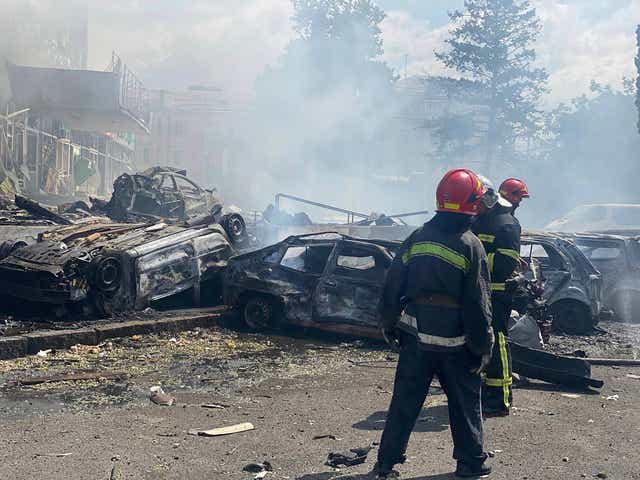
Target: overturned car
point(99, 267)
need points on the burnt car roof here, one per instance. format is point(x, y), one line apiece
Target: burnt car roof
point(309, 238)
point(598, 236)
point(317, 239)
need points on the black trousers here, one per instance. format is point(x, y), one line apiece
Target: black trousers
point(496, 389)
point(416, 368)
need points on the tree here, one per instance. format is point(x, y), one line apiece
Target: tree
point(323, 102)
point(637, 61)
point(491, 44)
point(590, 158)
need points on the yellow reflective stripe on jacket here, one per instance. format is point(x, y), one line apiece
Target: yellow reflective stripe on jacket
point(498, 287)
point(490, 257)
point(486, 238)
point(509, 253)
point(439, 251)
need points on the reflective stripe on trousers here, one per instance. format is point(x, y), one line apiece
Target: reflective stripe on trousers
point(427, 339)
point(506, 380)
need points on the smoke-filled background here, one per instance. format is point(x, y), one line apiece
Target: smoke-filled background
point(335, 104)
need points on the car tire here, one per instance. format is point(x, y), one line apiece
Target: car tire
point(260, 313)
point(572, 317)
point(626, 306)
point(235, 227)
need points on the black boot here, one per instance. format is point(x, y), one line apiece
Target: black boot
point(466, 470)
point(382, 472)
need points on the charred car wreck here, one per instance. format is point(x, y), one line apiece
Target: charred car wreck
point(572, 285)
point(158, 192)
point(102, 267)
point(332, 282)
point(618, 260)
point(327, 281)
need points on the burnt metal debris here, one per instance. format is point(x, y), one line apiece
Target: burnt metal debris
point(158, 192)
point(158, 236)
point(100, 267)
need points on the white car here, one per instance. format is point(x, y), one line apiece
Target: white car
point(604, 217)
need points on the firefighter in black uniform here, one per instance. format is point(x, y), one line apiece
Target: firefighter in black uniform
point(514, 190)
point(499, 232)
point(436, 308)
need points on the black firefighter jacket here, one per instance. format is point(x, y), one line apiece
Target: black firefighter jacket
point(499, 232)
point(438, 290)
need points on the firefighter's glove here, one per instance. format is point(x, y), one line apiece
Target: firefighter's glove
point(484, 361)
point(512, 284)
point(392, 338)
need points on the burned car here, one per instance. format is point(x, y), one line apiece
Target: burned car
point(326, 281)
point(103, 267)
point(572, 285)
point(333, 282)
point(618, 260)
point(160, 192)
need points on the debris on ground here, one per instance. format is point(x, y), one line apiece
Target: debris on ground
point(72, 377)
point(216, 432)
point(355, 456)
point(116, 472)
point(159, 397)
point(543, 365)
point(570, 395)
point(258, 467)
point(215, 405)
point(320, 437)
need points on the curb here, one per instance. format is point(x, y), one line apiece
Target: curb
point(31, 343)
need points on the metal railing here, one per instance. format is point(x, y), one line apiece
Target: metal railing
point(351, 214)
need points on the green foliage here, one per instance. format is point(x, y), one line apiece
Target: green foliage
point(491, 43)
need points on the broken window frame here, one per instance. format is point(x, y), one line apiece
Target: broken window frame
point(379, 254)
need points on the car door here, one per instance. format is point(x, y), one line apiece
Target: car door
point(172, 201)
point(293, 276)
point(609, 256)
point(349, 290)
point(195, 198)
point(554, 266)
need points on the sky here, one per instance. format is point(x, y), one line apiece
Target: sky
point(227, 43)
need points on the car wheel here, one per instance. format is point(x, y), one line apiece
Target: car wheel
point(572, 317)
point(259, 313)
point(626, 306)
point(235, 227)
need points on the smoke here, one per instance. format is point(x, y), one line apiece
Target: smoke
point(173, 45)
point(304, 120)
point(40, 33)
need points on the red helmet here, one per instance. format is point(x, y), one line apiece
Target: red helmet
point(459, 191)
point(514, 190)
